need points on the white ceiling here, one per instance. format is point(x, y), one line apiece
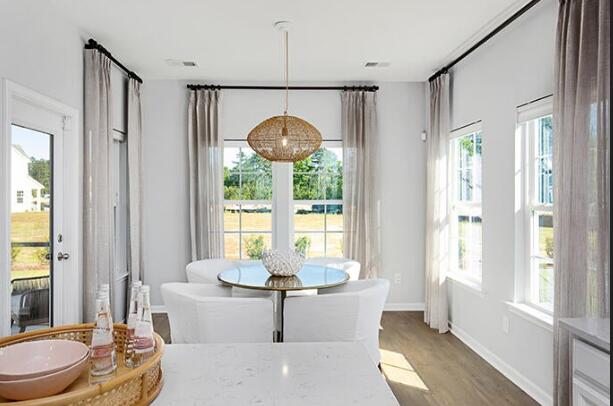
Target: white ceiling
point(330, 40)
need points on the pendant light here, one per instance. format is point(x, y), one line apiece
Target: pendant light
point(284, 138)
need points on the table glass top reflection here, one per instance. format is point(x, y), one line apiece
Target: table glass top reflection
point(255, 276)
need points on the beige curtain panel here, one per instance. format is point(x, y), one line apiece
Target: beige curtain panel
point(135, 179)
point(98, 249)
point(581, 164)
point(361, 199)
point(435, 312)
point(205, 149)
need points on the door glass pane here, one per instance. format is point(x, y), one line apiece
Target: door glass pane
point(31, 203)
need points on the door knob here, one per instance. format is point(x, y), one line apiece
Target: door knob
point(62, 256)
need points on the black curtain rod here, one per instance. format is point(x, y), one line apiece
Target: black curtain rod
point(495, 31)
point(92, 44)
point(345, 88)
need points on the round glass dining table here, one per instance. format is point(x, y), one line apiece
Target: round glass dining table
point(254, 275)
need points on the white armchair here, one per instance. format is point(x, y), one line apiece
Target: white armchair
point(207, 313)
point(348, 265)
point(206, 270)
point(351, 312)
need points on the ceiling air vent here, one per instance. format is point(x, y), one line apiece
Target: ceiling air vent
point(376, 64)
point(177, 62)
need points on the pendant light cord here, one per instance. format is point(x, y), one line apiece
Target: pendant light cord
point(285, 36)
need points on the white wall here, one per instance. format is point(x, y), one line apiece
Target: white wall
point(513, 68)
point(40, 50)
point(166, 217)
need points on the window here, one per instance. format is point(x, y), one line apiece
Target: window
point(282, 205)
point(535, 262)
point(20, 196)
point(34, 193)
point(465, 203)
point(247, 202)
point(318, 203)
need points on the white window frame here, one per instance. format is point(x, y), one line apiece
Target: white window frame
point(526, 208)
point(324, 202)
point(241, 202)
point(282, 233)
point(456, 207)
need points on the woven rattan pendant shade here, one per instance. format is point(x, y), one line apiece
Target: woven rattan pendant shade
point(284, 138)
point(302, 139)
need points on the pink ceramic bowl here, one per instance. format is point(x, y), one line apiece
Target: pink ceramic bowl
point(42, 386)
point(37, 358)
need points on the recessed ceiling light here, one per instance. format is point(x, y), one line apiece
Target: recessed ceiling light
point(177, 62)
point(373, 64)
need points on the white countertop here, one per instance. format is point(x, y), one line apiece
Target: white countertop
point(280, 374)
point(594, 331)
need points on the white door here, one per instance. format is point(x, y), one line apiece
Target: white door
point(37, 197)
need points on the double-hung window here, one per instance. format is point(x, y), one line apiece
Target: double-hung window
point(465, 203)
point(247, 202)
point(318, 202)
point(535, 242)
point(282, 205)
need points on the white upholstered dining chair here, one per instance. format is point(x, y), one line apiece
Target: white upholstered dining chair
point(207, 313)
point(348, 265)
point(206, 270)
point(350, 312)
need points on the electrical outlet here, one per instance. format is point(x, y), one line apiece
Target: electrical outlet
point(397, 278)
point(505, 324)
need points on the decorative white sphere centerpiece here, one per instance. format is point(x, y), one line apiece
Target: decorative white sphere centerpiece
point(282, 263)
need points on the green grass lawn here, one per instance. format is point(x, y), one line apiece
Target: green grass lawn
point(29, 227)
point(254, 223)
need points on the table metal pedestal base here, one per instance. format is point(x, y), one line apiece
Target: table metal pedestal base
point(279, 305)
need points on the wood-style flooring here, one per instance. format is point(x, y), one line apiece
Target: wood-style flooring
point(426, 368)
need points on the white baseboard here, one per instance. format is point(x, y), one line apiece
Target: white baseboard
point(403, 307)
point(535, 391)
point(158, 309)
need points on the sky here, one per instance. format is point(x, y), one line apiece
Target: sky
point(36, 144)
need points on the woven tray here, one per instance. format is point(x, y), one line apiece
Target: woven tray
point(130, 386)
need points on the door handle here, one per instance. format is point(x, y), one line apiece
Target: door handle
point(62, 256)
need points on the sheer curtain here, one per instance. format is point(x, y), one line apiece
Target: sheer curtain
point(360, 181)
point(135, 176)
point(435, 312)
point(581, 164)
point(205, 149)
point(98, 247)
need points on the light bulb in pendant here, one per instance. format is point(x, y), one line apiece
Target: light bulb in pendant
point(284, 136)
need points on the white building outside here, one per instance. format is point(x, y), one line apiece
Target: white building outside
point(26, 192)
